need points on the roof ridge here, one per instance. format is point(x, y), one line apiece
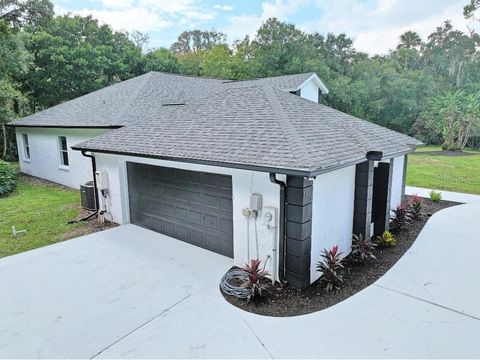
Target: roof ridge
point(362, 121)
point(134, 97)
point(299, 150)
point(187, 76)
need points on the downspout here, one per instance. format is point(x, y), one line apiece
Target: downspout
point(97, 201)
point(282, 231)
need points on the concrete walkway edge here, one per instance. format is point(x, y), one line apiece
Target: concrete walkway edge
point(446, 195)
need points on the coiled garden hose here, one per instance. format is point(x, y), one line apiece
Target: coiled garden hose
point(232, 281)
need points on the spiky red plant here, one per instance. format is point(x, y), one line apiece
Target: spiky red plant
point(329, 266)
point(401, 218)
point(415, 203)
point(255, 275)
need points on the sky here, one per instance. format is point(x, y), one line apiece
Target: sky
point(374, 25)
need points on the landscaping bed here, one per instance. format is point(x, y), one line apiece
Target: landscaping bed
point(285, 301)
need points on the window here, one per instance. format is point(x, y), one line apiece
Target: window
point(26, 148)
point(62, 144)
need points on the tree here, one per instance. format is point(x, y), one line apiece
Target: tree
point(191, 63)
point(455, 115)
point(161, 60)
point(447, 51)
point(278, 48)
point(470, 107)
point(409, 40)
point(19, 13)
point(197, 40)
point(139, 39)
point(470, 9)
point(14, 61)
point(11, 100)
point(74, 56)
point(222, 64)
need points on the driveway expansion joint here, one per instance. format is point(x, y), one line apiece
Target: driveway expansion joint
point(140, 326)
point(256, 336)
point(429, 302)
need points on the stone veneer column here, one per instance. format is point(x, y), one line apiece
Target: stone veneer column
point(362, 211)
point(298, 218)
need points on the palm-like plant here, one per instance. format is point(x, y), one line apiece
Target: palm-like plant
point(448, 109)
point(470, 105)
point(409, 40)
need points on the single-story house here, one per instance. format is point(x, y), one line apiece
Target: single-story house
point(247, 169)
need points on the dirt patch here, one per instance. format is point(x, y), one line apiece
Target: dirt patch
point(285, 301)
point(444, 153)
point(33, 180)
point(92, 225)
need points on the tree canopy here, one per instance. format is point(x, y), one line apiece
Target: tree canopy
point(47, 59)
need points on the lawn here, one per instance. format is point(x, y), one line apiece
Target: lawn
point(453, 173)
point(44, 210)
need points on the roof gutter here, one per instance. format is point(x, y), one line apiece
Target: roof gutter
point(66, 126)
point(278, 170)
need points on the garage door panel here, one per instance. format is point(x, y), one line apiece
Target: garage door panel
point(168, 228)
point(182, 233)
point(213, 242)
point(196, 237)
point(226, 225)
point(226, 204)
point(195, 217)
point(211, 200)
point(210, 221)
point(191, 206)
point(195, 198)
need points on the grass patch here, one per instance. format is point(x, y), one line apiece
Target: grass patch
point(43, 209)
point(453, 173)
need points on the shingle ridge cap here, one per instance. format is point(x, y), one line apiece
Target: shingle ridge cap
point(299, 150)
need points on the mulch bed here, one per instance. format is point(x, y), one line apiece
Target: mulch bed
point(444, 153)
point(285, 301)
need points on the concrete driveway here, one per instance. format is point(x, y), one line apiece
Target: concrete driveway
point(132, 293)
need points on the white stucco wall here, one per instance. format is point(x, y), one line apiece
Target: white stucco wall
point(397, 181)
point(45, 155)
point(309, 91)
point(244, 184)
point(332, 214)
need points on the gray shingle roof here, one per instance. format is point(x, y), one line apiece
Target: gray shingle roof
point(123, 103)
point(128, 101)
point(257, 127)
point(284, 82)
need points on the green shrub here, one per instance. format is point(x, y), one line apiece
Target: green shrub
point(8, 178)
point(386, 239)
point(435, 196)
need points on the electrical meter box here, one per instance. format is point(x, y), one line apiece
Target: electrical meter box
point(102, 179)
point(256, 202)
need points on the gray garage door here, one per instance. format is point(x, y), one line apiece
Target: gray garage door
point(191, 206)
